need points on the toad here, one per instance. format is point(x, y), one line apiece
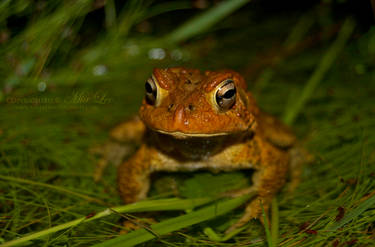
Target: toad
point(191, 120)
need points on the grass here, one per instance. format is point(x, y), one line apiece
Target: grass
point(68, 81)
point(165, 205)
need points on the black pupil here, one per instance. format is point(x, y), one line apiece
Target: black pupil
point(229, 94)
point(148, 87)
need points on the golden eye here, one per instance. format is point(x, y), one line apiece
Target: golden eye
point(151, 91)
point(225, 95)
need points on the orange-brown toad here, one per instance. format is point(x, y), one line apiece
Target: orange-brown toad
point(191, 120)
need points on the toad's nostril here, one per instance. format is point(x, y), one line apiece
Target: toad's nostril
point(170, 107)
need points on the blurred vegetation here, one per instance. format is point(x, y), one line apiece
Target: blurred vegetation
point(71, 70)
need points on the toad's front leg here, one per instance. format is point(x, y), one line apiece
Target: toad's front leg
point(133, 177)
point(268, 178)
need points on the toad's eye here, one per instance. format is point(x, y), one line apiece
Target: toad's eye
point(225, 95)
point(151, 91)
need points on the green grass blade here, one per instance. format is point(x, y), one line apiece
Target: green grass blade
point(324, 65)
point(204, 21)
point(275, 221)
point(143, 206)
point(162, 8)
point(266, 229)
point(353, 214)
point(170, 225)
point(211, 234)
point(53, 187)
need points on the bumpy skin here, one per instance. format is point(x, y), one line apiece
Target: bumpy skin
point(186, 131)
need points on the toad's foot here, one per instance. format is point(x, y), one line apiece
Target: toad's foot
point(253, 211)
point(132, 224)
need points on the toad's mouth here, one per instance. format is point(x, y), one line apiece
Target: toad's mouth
point(182, 135)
